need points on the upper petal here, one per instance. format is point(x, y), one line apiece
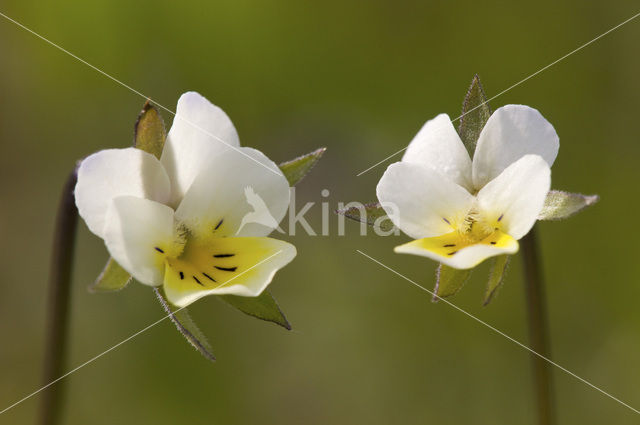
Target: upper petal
point(235, 196)
point(140, 235)
point(510, 133)
point(200, 130)
point(514, 199)
point(438, 146)
point(421, 201)
point(221, 266)
point(107, 174)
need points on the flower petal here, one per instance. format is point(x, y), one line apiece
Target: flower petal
point(426, 203)
point(234, 196)
point(200, 130)
point(510, 133)
point(513, 200)
point(223, 266)
point(117, 172)
point(452, 249)
point(140, 235)
point(438, 146)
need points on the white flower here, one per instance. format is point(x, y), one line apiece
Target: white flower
point(176, 221)
point(461, 211)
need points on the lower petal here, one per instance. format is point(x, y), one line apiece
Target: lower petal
point(223, 266)
point(454, 250)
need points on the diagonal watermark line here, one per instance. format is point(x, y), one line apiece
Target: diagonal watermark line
point(499, 332)
point(518, 83)
point(112, 78)
point(91, 360)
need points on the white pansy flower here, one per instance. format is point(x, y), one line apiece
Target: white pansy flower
point(461, 211)
point(176, 221)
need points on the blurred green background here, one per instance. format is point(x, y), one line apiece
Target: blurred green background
point(359, 78)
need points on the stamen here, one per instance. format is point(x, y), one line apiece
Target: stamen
point(219, 224)
point(223, 255)
point(159, 250)
point(209, 277)
point(226, 269)
point(196, 279)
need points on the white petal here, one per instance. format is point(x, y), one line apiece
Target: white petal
point(426, 202)
point(464, 258)
point(438, 146)
point(117, 172)
point(235, 196)
point(510, 133)
point(515, 198)
point(140, 235)
point(222, 266)
point(200, 130)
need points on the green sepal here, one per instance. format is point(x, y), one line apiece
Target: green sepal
point(296, 169)
point(449, 281)
point(113, 278)
point(475, 113)
point(149, 132)
point(186, 326)
point(263, 307)
point(498, 267)
point(560, 205)
point(372, 213)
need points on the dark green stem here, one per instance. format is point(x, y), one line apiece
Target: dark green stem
point(538, 328)
point(59, 301)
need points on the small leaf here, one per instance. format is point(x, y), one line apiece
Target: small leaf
point(475, 113)
point(263, 307)
point(186, 326)
point(372, 212)
point(496, 277)
point(560, 205)
point(149, 131)
point(113, 278)
point(449, 281)
point(296, 169)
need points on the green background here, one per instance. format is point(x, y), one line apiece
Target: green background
point(360, 78)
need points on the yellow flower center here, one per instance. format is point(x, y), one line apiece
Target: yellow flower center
point(473, 228)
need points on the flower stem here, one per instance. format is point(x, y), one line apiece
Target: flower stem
point(58, 303)
point(538, 328)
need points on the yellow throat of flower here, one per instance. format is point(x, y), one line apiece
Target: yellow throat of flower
point(473, 229)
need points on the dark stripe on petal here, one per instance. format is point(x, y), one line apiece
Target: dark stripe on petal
point(226, 269)
point(223, 255)
point(196, 279)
